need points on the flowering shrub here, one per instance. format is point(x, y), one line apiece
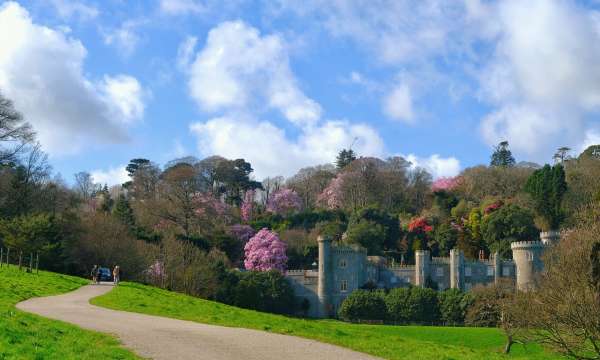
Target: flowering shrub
point(420, 225)
point(331, 197)
point(493, 207)
point(242, 232)
point(284, 201)
point(265, 251)
point(247, 206)
point(206, 204)
point(445, 184)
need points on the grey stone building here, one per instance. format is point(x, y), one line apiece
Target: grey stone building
point(343, 269)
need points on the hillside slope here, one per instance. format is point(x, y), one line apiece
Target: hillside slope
point(26, 336)
point(391, 342)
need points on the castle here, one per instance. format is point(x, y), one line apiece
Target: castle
point(343, 269)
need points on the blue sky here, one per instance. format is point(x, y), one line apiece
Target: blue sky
point(286, 84)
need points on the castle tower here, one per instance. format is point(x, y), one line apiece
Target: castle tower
point(497, 267)
point(527, 256)
point(422, 261)
point(550, 237)
point(325, 277)
point(457, 268)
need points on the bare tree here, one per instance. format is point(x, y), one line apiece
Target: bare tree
point(84, 185)
point(270, 186)
point(15, 133)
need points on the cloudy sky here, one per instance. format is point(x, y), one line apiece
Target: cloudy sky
point(287, 84)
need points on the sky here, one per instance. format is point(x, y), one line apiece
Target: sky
point(287, 84)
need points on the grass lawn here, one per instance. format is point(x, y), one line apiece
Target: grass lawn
point(27, 336)
point(391, 342)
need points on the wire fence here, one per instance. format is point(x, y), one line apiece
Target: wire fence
point(28, 262)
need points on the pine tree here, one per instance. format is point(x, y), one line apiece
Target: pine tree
point(502, 156)
point(344, 158)
point(124, 212)
point(547, 187)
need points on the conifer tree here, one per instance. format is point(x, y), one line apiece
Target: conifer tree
point(502, 156)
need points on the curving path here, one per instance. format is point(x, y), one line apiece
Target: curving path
point(163, 338)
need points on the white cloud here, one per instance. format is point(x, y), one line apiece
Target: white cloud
point(238, 68)
point(592, 137)
point(271, 152)
point(125, 92)
point(185, 52)
point(544, 76)
point(399, 104)
point(436, 165)
point(112, 176)
point(71, 8)
point(41, 70)
point(125, 38)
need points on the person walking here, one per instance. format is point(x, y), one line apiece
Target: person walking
point(116, 274)
point(94, 274)
point(97, 277)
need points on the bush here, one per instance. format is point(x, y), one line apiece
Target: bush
point(453, 305)
point(485, 310)
point(412, 305)
point(509, 223)
point(266, 291)
point(363, 305)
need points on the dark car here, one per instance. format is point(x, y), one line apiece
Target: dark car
point(104, 274)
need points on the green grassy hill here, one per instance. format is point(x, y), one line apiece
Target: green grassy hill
point(26, 336)
point(391, 342)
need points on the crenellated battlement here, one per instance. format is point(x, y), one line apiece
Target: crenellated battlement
point(526, 245)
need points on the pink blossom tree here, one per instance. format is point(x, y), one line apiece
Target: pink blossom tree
point(445, 184)
point(265, 251)
point(331, 197)
point(247, 207)
point(284, 202)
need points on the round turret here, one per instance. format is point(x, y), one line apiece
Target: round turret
point(527, 256)
point(324, 282)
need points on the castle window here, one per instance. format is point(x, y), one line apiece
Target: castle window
point(343, 263)
point(529, 256)
point(467, 271)
point(439, 271)
point(344, 286)
point(505, 271)
point(490, 271)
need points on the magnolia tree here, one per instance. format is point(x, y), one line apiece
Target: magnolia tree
point(247, 207)
point(284, 201)
point(265, 251)
point(445, 184)
point(331, 197)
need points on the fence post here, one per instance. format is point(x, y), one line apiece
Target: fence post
point(37, 262)
point(30, 262)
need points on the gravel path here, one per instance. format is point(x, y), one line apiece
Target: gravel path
point(163, 338)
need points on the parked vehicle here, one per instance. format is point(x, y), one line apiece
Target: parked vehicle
point(104, 274)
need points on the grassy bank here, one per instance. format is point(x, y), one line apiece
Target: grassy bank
point(391, 342)
point(27, 336)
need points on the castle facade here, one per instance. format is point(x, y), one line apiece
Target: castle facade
point(343, 269)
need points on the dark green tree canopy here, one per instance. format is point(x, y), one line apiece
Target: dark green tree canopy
point(547, 186)
point(345, 157)
point(509, 223)
point(502, 156)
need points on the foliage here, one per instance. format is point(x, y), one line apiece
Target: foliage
point(284, 202)
point(265, 251)
point(367, 234)
point(388, 223)
point(446, 237)
point(445, 183)
point(485, 310)
point(242, 232)
point(247, 207)
point(344, 158)
point(266, 291)
point(509, 223)
point(15, 133)
point(502, 156)
point(363, 305)
point(547, 187)
point(453, 305)
point(233, 179)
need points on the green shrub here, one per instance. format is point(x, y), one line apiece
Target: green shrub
point(453, 305)
point(413, 305)
point(266, 291)
point(398, 305)
point(363, 305)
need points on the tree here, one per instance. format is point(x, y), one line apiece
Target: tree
point(547, 186)
point(144, 178)
point(344, 158)
point(310, 182)
point(284, 202)
point(505, 225)
point(265, 251)
point(367, 234)
point(266, 291)
point(562, 155)
point(15, 133)
point(453, 305)
point(247, 206)
point(85, 186)
point(363, 305)
point(502, 156)
point(486, 309)
point(124, 213)
point(233, 179)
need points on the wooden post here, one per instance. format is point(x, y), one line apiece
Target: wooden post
point(37, 262)
point(30, 262)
